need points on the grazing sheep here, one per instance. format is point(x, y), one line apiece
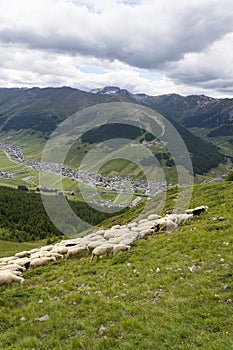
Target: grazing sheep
point(178, 218)
point(143, 221)
point(132, 224)
point(56, 255)
point(146, 232)
point(100, 232)
point(46, 254)
point(8, 278)
point(23, 254)
point(135, 229)
point(110, 233)
point(77, 251)
point(117, 227)
point(8, 258)
point(13, 267)
point(115, 240)
point(59, 250)
point(34, 250)
point(25, 262)
point(172, 217)
point(93, 238)
point(165, 223)
point(120, 248)
point(41, 261)
point(148, 224)
point(101, 250)
point(15, 272)
point(93, 244)
point(184, 217)
point(153, 217)
point(147, 228)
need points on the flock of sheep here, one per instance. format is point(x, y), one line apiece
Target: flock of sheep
point(102, 242)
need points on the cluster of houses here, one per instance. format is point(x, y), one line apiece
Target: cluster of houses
point(112, 183)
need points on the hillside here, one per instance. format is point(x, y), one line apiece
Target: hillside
point(42, 109)
point(23, 217)
point(190, 111)
point(204, 156)
point(209, 118)
point(171, 291)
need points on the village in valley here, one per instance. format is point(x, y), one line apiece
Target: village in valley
point(122, 185)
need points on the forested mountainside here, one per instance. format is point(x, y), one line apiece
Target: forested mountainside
point(23, 216)
point(189, 111)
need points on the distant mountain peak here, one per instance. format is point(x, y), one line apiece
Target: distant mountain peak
point(107, 90)
point(112, 90)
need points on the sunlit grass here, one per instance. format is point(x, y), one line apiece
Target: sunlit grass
point(147, 298)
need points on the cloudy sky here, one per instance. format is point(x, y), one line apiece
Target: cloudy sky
point(151, 46)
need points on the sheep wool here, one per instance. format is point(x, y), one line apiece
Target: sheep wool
point(8, 278)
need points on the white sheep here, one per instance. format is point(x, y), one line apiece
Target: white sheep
point(93, 244)
point(148, 224)
point(100, 232)
point(25, 262)
point(93, 238)
point(172, 217)
point(15, 272)
point(110, 233)
point(8, 258)
point(8, 278)
point(23, 254)
point(46, 253)
point(120, 248)
point(146, 232)
point(77, 251)
point(115, 240)
point(184, 217)
point(41, 261)
point(101, 250)
point(117, 227)
point(135, 229)
point(143, 221)
point(12, 267)
point(153, 217)
point(59, 250)
point(165, 223)
point(132, 224)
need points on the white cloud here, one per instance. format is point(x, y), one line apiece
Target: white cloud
point(214, 63)
point(189, 45)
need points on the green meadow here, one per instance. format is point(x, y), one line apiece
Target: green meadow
point(171, 291)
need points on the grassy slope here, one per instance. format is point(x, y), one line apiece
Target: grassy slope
point(10, 248)
point(123, 303)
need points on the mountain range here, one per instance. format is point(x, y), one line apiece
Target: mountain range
point(42, 109)
point(190, 111)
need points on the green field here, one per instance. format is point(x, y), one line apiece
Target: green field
point(106, 162)
point(32, 142)
point(171, 291)
point(10, 248)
